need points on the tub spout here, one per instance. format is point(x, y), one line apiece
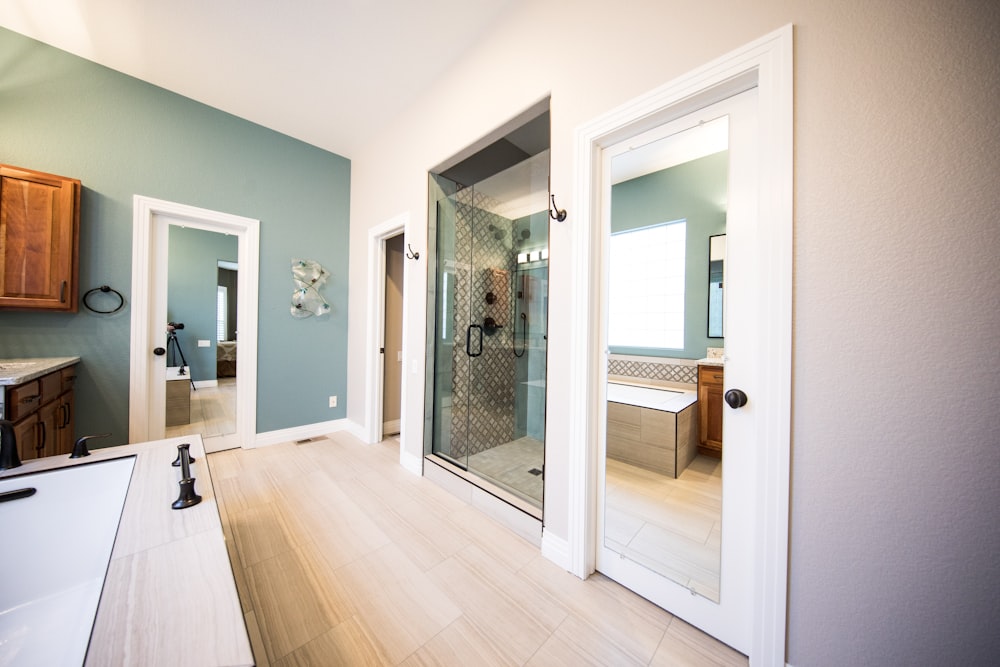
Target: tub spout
point(80, 446)
point(8, 446)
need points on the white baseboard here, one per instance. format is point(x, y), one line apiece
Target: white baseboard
point(390, 427)
point(414, 464)
point(556, 549)
point(355, 429)
point(201, 384)
point(303, 432)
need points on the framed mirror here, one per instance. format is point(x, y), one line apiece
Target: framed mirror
point(716, 282)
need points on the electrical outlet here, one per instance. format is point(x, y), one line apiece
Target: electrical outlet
point(204, 343)
point(333, 401)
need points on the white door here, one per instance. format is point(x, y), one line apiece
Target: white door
point(634, 529)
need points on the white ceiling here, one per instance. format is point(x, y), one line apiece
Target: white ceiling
point(328, 72)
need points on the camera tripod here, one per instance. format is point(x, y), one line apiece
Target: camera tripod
point(173, 351)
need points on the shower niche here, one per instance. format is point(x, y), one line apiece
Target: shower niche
point(487, 316)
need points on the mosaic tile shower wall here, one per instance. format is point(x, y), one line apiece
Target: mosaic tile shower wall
point(483, 265)
point(653, 370)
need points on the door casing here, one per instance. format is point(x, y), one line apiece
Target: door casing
point(377, 236)
point(150, 221)
point(767, 64)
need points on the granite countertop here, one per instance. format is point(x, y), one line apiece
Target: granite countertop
point(712, 361)
point(19, 371)
point(169, 578)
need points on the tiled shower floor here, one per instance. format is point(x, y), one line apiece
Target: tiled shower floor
point(511, 464)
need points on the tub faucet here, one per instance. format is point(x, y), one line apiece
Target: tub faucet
point(8, 446)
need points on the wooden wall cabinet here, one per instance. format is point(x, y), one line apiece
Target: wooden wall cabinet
point(39, 240)
point(42, 412)
point(710, 382)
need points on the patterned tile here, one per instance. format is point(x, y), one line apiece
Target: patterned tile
point(653, 370)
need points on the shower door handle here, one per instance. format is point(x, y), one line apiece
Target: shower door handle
point(468, 340)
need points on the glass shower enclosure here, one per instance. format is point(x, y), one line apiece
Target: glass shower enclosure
point(487, 326)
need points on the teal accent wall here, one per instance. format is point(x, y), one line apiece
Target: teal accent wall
point(697, 192)
point(121, 137)
point(192, 288)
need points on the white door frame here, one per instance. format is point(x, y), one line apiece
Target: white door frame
point(149, 313)
point(374, 359)
point(766, 63)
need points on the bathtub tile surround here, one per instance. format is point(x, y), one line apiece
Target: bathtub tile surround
point(679, 371)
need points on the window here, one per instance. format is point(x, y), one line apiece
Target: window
point(221, 310)
point(646, 287)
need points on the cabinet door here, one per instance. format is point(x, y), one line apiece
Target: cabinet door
point(26, 433)
point(64, 425)
point(48, 426)
point(39, 225)
point(710, 395)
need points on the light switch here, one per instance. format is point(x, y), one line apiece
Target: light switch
point(399, 356)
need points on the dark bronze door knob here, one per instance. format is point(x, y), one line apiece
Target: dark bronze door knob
point(736, 398)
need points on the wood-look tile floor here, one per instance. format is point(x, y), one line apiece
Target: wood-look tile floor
point(671, 526)
point(342, 557)
point(213, 411)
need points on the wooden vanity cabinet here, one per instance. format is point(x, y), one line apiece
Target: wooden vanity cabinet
point(39, 240)
point(710, 391)
point(42, 412)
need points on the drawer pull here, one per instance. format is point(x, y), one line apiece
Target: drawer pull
point(17, 494)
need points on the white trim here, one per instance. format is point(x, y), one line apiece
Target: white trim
point(295, 433)
point(556, 549)
point(375, 335)
point(201, 384)
point(391, 426)
point(411, 462)
point(146, 405)
point(767, 62)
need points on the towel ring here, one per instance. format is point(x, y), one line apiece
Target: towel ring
point(105, 289)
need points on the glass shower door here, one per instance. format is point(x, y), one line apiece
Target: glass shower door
point(490, 325)
point(450, 329)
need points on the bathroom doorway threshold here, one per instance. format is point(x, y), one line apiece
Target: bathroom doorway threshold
point(501, 505)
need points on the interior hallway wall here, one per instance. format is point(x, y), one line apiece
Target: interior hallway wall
point(895, 468)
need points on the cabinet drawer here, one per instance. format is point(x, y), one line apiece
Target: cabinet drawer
point(22, 400)
point(68, 378)
point(710, 375)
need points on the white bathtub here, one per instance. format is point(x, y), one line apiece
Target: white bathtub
point(55, 550)
point(655, 398)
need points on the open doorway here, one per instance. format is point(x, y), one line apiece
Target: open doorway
point(392, 337)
